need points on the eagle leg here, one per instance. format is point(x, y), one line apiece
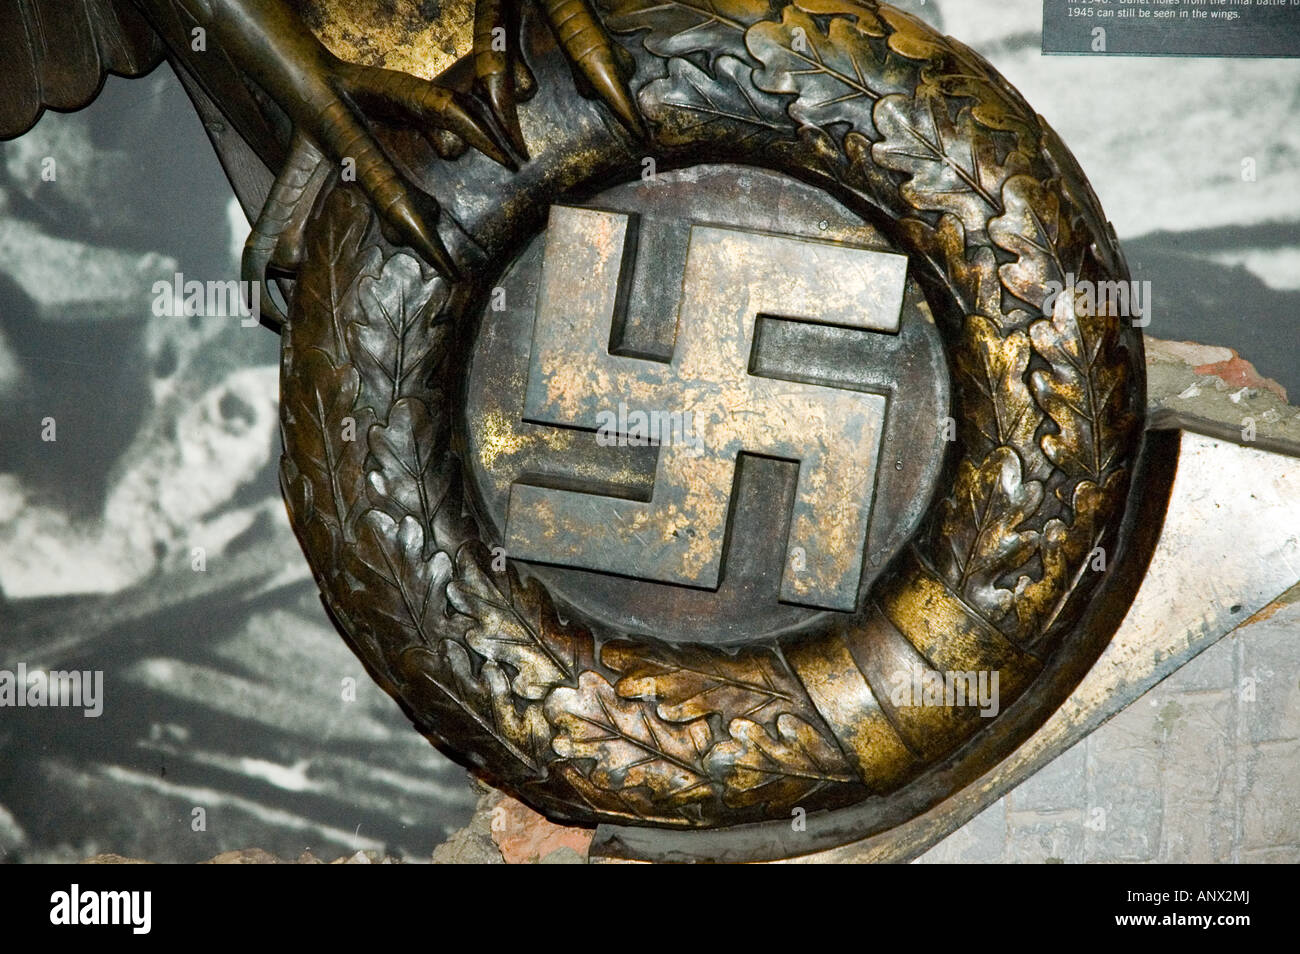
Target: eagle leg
point(503, 78)
point(275, 243)
point(330, 103)
point(602, 63)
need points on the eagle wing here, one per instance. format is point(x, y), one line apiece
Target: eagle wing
point(56, 53)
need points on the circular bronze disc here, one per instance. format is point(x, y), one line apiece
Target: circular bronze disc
point(908, 367)
point(559, 687)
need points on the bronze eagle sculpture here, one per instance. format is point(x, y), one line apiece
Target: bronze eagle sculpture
point(600, 721)
point(295, 105)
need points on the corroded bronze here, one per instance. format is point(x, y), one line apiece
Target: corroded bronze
point(907, 368)
point(587, 720)
point(705, 406)
point(608, 726)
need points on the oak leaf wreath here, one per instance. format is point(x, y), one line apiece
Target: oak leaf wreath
point(909, 129)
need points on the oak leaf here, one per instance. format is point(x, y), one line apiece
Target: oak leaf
point(689, 683)
point(675, 27)
point(689, 99)
point(338, 254)
point(523, 730)
point(321, 432)
point(630, 747)
point(973, 272)
point(835, 76)
point(866, 14)
point(757, 768)
point(401, 586)
point(1037, 229)
point(992, 369)
point(912, 38)
point(951, 165)
point(411, 473)
point(979, 526)
point(396, 339)
point(521, 632)
point(1065, 550)
point(1084, 391)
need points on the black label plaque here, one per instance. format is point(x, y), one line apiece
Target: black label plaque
point(1172, 27)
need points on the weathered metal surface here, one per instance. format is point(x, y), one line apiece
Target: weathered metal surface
point(1232, 526)
point(1010, 575)
point(394, 34)
point(502, 446)
point(1233, 531)
point(592, 724)
point(704, 407)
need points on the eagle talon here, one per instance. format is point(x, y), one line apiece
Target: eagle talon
point(403, 98)
point(500, 73)
point(445, 118)
point(330, 104)
point(596, 57)
point(504, 80)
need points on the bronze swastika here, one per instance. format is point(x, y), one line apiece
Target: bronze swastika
point(704, 406)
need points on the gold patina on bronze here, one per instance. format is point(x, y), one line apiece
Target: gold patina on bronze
point(1011, 573)
point(908, 128)
point(730, 280)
